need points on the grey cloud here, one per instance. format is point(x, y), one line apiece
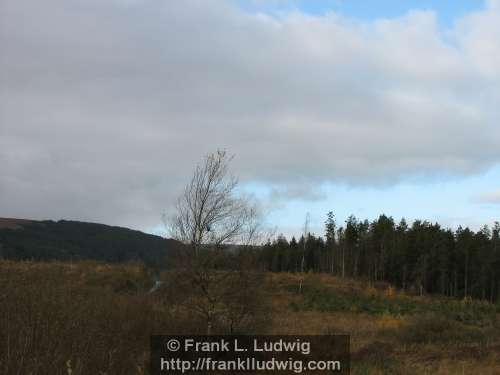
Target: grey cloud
point(106, 106)
point(492, 197)
point(297, 192)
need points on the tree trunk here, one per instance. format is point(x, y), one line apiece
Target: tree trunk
point(343, 261)
point(466, 275)
point(492, 288)
point(404, 278)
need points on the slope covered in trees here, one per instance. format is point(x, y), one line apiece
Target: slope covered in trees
point(422, 257)
point(74, 240)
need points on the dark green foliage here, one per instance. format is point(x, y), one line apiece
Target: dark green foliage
point(73, 240)
point(323, 300)
point(469, 312)
point(423, 258)
point(435, 328)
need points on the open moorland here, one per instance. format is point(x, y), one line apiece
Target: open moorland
point(95, 318)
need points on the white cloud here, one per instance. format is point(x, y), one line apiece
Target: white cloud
point(105, 107)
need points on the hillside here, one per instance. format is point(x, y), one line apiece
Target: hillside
point(390, 332)
point(74, 240)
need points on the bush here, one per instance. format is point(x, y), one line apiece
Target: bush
point(53, 320)
point(322, 299)
point(432, 328)
point(377, 357)
point(477, 313)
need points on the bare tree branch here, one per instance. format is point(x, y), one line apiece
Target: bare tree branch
point(208, 212)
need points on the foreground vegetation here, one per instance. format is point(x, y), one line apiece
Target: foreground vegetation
point(391, 333)
point(91, 318)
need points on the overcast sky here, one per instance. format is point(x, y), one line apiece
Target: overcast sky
point(356, 107)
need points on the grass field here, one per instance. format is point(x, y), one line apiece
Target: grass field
point(391, 333)
point(90, 318)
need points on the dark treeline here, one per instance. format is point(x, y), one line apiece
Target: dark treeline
point(73, 240)
point(421, 258)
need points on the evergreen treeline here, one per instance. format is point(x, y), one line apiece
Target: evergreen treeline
point(421, 258)
point(74, 240)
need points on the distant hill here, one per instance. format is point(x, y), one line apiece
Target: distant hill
point(74, 240)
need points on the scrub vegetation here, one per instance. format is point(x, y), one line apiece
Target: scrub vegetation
point(95, 318)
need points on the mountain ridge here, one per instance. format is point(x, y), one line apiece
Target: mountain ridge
point(25, 239)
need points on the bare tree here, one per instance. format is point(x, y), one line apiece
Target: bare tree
point(302, 262)
point(208, 213)
point(208, 217)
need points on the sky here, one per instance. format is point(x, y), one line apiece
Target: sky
point(355, 107)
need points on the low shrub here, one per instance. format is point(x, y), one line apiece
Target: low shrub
point(53, 322)
point(432, 328)
point(316, 297)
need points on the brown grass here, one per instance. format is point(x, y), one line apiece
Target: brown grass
point(95, 318)
point(13, 223)
point(376, 344)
